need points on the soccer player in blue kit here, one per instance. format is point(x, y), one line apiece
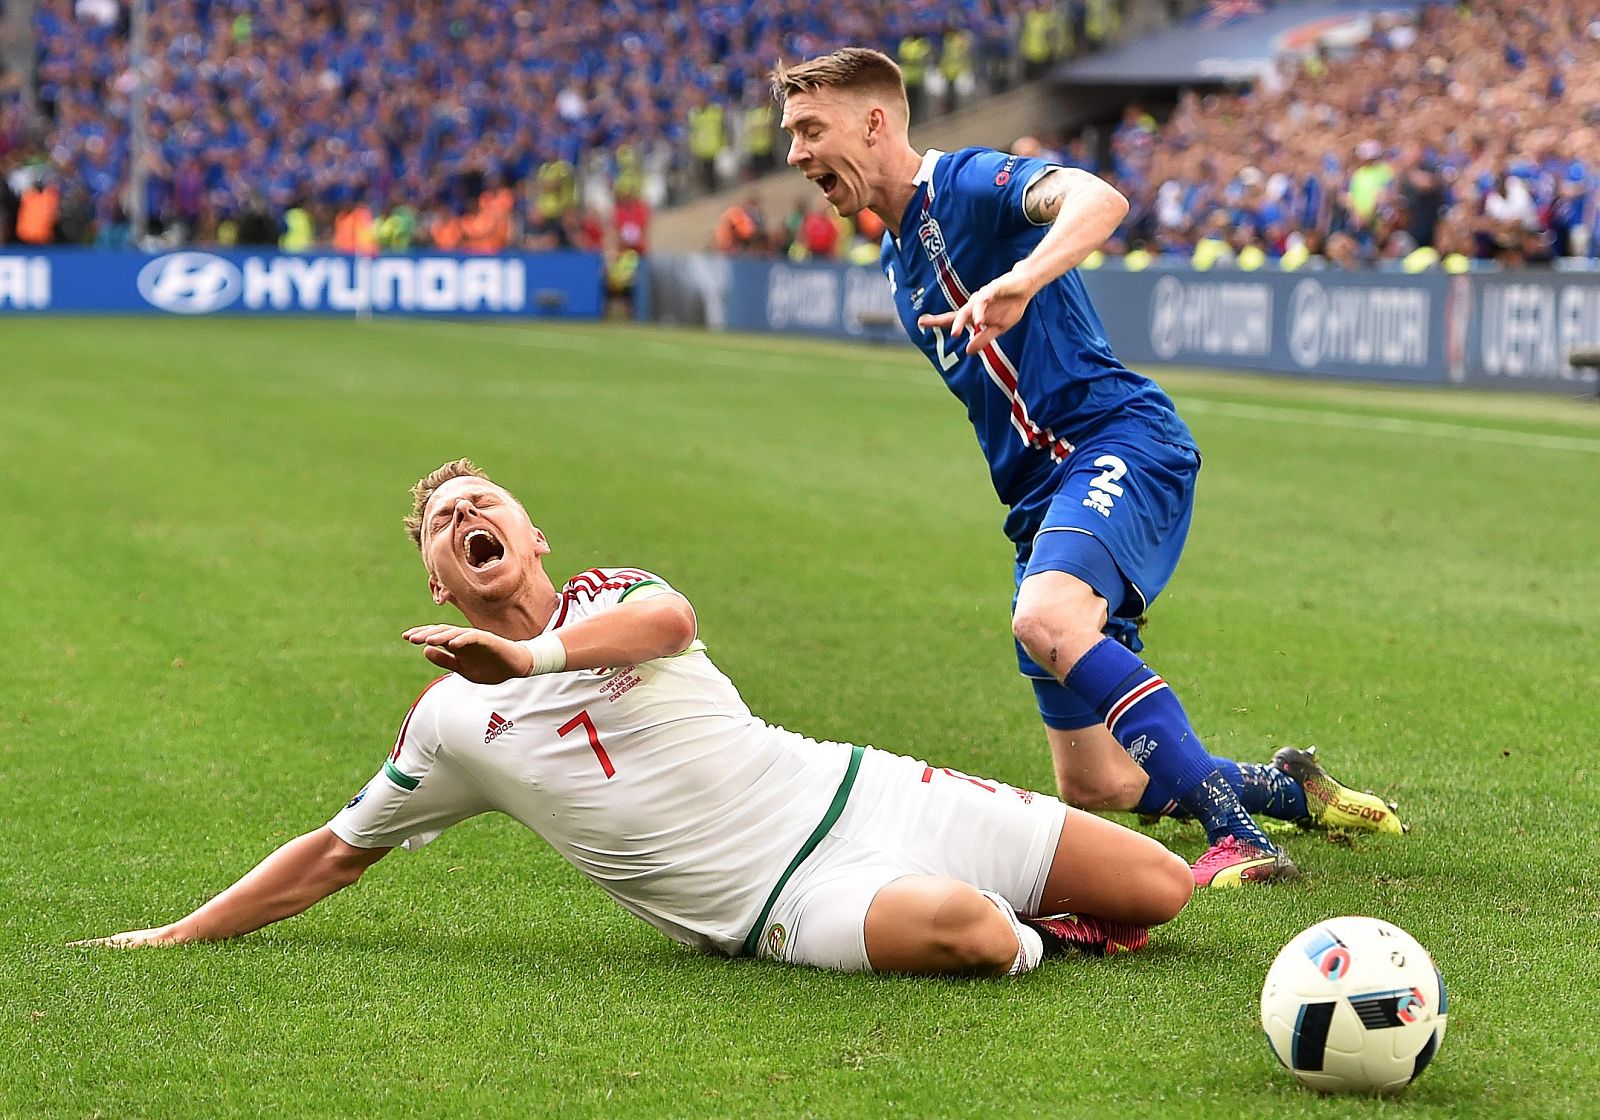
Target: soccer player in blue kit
point(1092, 459)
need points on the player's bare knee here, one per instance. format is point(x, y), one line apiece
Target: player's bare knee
point(971, 935)
point(1169, 885)
point(1053, 641)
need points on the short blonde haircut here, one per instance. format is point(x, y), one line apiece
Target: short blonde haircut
point(854, 69)
point(423, 491)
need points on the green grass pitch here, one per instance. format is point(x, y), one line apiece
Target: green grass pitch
point(206, 580)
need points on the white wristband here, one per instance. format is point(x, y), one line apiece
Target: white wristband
point(549, 655)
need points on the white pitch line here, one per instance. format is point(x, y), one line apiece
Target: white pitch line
point(706, 352)
point(1393, 424)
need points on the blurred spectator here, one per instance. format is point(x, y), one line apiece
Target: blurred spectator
point(1423, 197)
point(1509, 203)
point(1368, 181)
point(555, 198)
point(1213, 248)
point(1102, 19)
point(759, 131)
point(113, 230)
point(8, 208)
point(75, 220)
point(818, 237)
point(914, 54)
point(1045, 38)
point(444, 230)
point(256, 225)
point(486, 228)
point(1344, 251)
point(739, 228)
point(707, 138)
point(397, 229)
point(299, 230)
point(355, 231)
point(956, 66)
point(622, 274)
point(630, 218)
point(586, 231)
point(37, 211)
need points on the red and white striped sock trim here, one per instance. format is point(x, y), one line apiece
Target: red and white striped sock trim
point(1129, 699)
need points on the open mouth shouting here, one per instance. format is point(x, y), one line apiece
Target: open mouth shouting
point(828, 181)
point(482, 550)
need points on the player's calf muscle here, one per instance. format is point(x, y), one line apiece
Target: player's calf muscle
point(1093, 772)
point(1100, 793)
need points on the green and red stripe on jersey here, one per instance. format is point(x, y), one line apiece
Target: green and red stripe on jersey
point(390, 770)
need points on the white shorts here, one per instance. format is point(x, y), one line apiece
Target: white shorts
point(905, 817)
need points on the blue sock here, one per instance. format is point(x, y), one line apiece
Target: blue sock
point(1155, 801)
point(1261, 789)
point(1266, 789)
point(1145, 717)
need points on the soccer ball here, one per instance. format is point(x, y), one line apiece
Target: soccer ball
point(1354, 1005)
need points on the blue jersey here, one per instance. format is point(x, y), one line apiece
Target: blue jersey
point(1048, 384)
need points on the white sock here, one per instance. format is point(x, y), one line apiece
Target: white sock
point(1030, 946)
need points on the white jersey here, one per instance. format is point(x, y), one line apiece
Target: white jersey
point(653, 780)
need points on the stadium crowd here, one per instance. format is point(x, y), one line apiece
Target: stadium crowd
point(471, 124)
point(1471, 133)
point(1464, 135)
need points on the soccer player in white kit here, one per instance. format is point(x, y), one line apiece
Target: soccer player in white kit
point(592, 715)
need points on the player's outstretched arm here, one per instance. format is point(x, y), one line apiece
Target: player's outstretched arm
point(630, 633)
point(1083, 210)
point(301, 873)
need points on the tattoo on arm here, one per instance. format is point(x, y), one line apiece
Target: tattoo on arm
point(1042, 202)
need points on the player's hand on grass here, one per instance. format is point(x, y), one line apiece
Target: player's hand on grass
point(993, 309)
point(478, 655)
point(132, 939)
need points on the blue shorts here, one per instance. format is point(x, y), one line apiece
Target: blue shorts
point(1117, 520)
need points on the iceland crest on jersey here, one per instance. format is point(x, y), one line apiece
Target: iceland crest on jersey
point(1051, 381)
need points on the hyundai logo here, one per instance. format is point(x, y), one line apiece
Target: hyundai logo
point(189, 283)
point(1308, 308)
point(1166, 317)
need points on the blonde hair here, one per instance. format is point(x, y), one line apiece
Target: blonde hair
point(849, 68)
point(423, 490)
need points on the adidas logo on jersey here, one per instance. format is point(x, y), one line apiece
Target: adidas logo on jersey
point(497, 724)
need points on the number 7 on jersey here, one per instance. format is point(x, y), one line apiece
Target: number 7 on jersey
point(582, 720)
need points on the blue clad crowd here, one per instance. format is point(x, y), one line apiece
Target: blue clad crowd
point(262, 107)
point(1465, 133)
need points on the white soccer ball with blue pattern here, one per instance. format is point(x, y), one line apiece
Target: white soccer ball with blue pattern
point(1354, 1005)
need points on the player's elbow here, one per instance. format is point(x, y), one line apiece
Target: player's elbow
point(676, 619)
point(683, 631)
point(1095, 202)
point(1116, 206)
point(1113, 203)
